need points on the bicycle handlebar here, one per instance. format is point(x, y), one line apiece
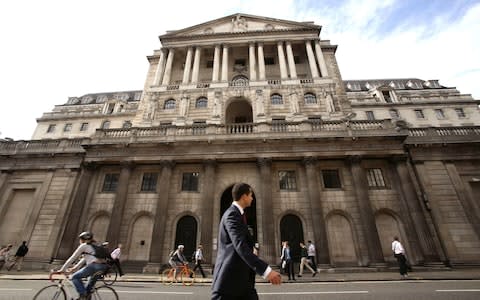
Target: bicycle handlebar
point(52, 272)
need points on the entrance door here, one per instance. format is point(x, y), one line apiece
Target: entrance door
point(250, 212)
point(186, 234)
point(291, 230)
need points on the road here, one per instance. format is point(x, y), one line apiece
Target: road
point(378, 290)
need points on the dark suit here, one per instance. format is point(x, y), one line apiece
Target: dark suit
point(236, 265)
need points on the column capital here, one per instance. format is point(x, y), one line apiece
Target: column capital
point(264, 162)
point(280, 43)
point(355, 159)
point(226, 46)
point(210, 163)
point(167, 164)
point(260, 44)
point(398, 158)
point(128, 164)
point(310, 160)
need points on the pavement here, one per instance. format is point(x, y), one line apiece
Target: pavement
point(325, 275)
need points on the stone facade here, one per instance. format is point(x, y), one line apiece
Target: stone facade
point(346, 164)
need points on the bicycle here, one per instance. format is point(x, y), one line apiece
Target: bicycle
point(109, 276)
point(186, 274)
point(64, 289)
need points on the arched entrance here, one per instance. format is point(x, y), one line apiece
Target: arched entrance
point(238, 111)
point(186, 234)
point(250, 212)
point(291, 230)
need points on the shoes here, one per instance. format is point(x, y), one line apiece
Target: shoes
point(121, 274)
point(315, 273)
point(299, 275)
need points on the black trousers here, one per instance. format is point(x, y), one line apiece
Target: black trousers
point(314, 263)
point(402, 263)
point(250, 295)
point(198, 265)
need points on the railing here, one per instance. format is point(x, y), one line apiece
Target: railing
point(42, 146)
point(443, 134)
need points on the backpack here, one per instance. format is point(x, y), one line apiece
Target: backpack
point(101, 252)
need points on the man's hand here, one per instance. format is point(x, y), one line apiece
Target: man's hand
point(274, 277)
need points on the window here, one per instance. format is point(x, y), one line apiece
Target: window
point(331, 179)
point(375, 178)
point(110, 108)
point(84, 127)
point(287, 180)
point(439, 113)
point(110, 183)
point(419, 114)
point(202, 102)
point(67, 127)
point(370, 115)
point(269, 61)
point(209, 64)
point(149, 182)
point(127, 124)
point(386, 96)
point(310, 98)
point(190, 182)
point(297, 59)
point(51, 128)
point(460, 112)
point(276, 99)
point(169, 104)
point(394, 113)
point(240, 62)
point(106, 125)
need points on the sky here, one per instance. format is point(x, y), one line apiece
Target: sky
point(54, 49)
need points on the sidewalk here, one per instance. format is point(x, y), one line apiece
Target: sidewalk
point(331, 275)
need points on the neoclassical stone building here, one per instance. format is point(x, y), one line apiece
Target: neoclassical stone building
point(347, 164)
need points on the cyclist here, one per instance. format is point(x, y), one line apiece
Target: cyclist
point(177, 259)
point(92, 265)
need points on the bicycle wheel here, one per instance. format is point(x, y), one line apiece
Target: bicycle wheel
point(168, 276)
point(104, 293)
point(51, 292)
point(110, 276)
point(188, 277)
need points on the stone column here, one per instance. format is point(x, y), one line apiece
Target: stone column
point(367, 217)
point(251, 60)
point(188, 65)
point(318, 221)
point(311, 59)
point(161, 212)
point(321, 59)
point(3, 180)
point(216, 63)
point(281, 61)
point(267, 245)
point(225, 63)
point(208, 198)
point(415, 212)
point(291, 61)
point(196, 64)
point(69, 237)
point(168, 67)
point(261, 62)
point(159, 72)
point(121, 195)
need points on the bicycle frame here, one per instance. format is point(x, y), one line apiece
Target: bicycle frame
point(65, 283)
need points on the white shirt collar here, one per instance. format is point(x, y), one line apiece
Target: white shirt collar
point(238, 206)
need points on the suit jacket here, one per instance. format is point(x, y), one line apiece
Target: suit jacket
point(236, 264)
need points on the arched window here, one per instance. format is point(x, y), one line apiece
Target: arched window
point(240, 80)
point(276, 99)
point(169, 104)
point(202, 102)
point(106, 125)
point(394, 113)
point(127, 124)
point(310, 98)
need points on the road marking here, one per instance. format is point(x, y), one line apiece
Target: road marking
point(459, 290)
point(153, 292)
point(314, 293)
point(7, 289)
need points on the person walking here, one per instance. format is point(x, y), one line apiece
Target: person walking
point(311, 255)
point(198, 260)
point(287, 261)
point(304, 260)
point(236, 264)
point(5, 255)
point(19, 256)
point(399, 253)
point(116, 253)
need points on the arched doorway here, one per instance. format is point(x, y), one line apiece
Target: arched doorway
point(140, 239)
point(238, 111)
point(291, 230)
point(250, 212)
point(186, 234)
point(99, 227)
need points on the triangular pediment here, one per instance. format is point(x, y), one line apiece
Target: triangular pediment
point(241, 23)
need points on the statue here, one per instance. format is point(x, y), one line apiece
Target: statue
point(294, 106)
point(239, 24)
point(216, 105)
point(329, 103)
point(184, 102)
point(260, 103)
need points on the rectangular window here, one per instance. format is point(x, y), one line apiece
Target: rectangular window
point(149, 182)
point(460, 112)
point(240, 62)
point(439, 113)
point(419, 114)
point(209, 64)
point(269, 61)
point(287, 180)
point(110, 182)
point(331, 179)
point(190, 182)
point(386, 96)
point(110, 108)
point(51, 128)
point(84, 127)
point(375, 178)
point(68, 127)
point(370, 115)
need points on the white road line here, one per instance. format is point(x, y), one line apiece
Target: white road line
point(153, 292)
point(8, 289)
point(315, 293)
point(459, 290)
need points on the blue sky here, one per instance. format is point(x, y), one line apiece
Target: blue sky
point(55, 49)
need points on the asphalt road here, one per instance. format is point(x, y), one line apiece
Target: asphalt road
point(381, 290)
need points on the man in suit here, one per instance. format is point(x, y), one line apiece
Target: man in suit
point(236, 264)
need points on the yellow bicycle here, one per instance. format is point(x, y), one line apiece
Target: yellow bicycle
point(187, 276)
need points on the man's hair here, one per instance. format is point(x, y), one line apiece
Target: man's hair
point(240, 189)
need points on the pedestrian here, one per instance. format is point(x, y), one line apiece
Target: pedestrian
point(236, 264)
point(93, 265)
point(287, 261)
point(19, 256)
point(198, 260)
point(311, 256)
point(304, 260)
point(116, 253)
point(399, 253)
point(5, 254)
